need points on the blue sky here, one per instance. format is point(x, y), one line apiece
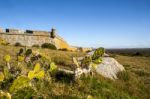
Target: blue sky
point(87, 23)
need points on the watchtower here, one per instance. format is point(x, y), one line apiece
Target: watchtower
point(53, 33)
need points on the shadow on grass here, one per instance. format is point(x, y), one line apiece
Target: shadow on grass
point(64, 77)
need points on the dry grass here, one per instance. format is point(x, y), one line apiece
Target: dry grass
point(61, 58)
point(132, 84)
point(138, 62)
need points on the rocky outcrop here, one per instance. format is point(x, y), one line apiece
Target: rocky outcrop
point(109, 68)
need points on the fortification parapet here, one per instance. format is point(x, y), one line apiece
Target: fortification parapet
point(41, 33)
point(33, 37)
point(14, 31)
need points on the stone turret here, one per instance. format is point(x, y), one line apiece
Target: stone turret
point(53, 33)
point(35, 37)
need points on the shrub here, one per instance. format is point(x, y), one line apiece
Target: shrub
point(49, 46)
point(18, 44)
point(28, 52)
point(137, 54)
point(36, 45)
point(63, 49)
point(20, 52)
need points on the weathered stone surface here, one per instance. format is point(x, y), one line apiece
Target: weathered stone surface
point(32, 37)
point(109, 68)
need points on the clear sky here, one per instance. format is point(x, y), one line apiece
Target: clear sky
point(88, 23)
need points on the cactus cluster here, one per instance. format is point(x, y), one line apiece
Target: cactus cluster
point(36, 73)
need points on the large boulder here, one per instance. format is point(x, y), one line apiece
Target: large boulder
point(109, 68)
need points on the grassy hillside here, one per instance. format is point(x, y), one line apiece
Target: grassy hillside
point(61, 58)
point(132, 84)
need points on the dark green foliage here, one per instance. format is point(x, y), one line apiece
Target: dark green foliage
point(63, 49)
point(138, 54)
point(130, 51)
point(28, 52)
point(49, 46)
point(20, 52)
point(98, 53)
point(36, 45)
point(18, 44)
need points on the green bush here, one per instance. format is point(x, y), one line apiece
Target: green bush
point(36, 45)
point(63, 49)
point(18, 44)
point(28, 52)
point(49, 46)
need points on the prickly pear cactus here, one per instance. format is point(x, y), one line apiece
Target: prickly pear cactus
point(1, 76)
point(98, 53)
point(4, 95)
point(76, 62)
point(36, 73)
point(7, 58)
point(20, 82)
point(53, 67)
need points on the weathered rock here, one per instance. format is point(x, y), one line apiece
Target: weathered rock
point(109, 68)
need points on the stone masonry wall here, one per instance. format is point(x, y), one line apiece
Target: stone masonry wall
point(30, 38)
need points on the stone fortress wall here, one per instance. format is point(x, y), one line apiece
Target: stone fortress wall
point(31, 37)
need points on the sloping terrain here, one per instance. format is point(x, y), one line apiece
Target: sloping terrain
point(134, 83)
